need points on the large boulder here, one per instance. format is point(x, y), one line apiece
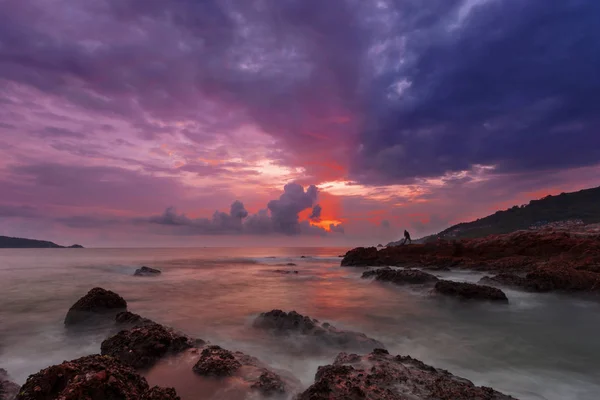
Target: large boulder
point(98, 305)
point(380, 376)
point(8, 389)
point(91, 378)
point(361, 256)
point(216, 362)
point(470, 291)
point(401, 276)
point(146, 271)
point(141, 346)
point(283, 323)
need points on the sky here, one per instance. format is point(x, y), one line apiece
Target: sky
point(289, 122)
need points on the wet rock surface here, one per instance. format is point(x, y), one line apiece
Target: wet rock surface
point(91, 378)
point(470, 291)
point(140, 347)
point(504, 279)
point(147, 271)
point(550, 260)
point(401, 276)
point(97, 306)
point(8, 389)
point(129, 318)
point(381, 376)
point(283, 323)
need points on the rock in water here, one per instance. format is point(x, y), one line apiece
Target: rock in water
point(141, 346)
point(362, 256)
point(216, 361)
point(282, 323)
point(401, 276)
point(380, 376)
point(470, 291)
point(91, 378)
point(504, 279)
point(285, 272)
point(98, 305)
point(147, 271)
point(8, 389)
point(129, 318)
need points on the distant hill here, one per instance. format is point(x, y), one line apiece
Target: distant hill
point(581, 207)
point(7, 242)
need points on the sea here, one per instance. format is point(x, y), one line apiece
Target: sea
point(539, 346)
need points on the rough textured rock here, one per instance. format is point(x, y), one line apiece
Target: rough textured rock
point(380, 376)
point(551, 260)
point(147, 271)
point(129, 318)
point(140, 347)
point(91, 378)
point(401, 276)
point(282, 323)
point(8, 389)
point(98, 305)
point(362, 257)
point(470, 291)
point(216, 361)
point(283, 271)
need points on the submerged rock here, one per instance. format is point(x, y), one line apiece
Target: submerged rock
point(284, 271)
point(470, 291)
point(8, 389)
point(217, 362)
point(504, 279)
point(91, 378)
point(380, 376)
point(401, 276)
point(140, 347)
point(98, 305)
point(282, 323)
point(147, 271)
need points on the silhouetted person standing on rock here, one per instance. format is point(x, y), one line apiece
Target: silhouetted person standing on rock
point(407, 237)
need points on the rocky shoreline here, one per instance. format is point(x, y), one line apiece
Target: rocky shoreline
point(116, 373)
point(544, 260)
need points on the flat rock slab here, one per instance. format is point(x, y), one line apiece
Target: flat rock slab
point(381, 376)
point(98, 305)
point(470, 291)
point(283, 323)
point(140, 347)
point(401, 276)
point(93, 377)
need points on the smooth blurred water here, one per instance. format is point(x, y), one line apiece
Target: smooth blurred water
point(540, 346)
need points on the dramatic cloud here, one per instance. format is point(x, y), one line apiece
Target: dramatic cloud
point(111, 110)
point(281, 217)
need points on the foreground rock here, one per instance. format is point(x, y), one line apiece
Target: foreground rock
point(140, 347)
point(401, 276)
point(98, 305)
point(548, 259)
point(380, 376)
point(282, 323)
point(217, 362)
point(470, 291)
point(91, 378)
point(147, 271)
point(8, 389)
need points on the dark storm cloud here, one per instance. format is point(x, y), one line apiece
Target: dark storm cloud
point(394, 90)
point(315, 215)
point(281, 216)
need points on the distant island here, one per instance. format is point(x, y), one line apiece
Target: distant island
point(7, 242)
point(565, 210)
